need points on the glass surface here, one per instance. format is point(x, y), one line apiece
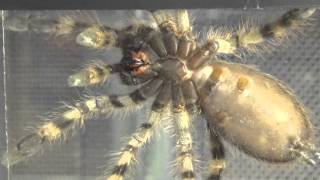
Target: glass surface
point(37, 67)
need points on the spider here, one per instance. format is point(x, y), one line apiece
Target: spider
point(246, 107)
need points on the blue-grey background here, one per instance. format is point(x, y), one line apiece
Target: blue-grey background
point(37, 67)
point(146, 4)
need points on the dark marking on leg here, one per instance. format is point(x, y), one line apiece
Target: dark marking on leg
point(187, 175)
point(163, 97)
point(150, 88)
point(137, 97)
point(171, 43)
point(217, 150)
point(288, 18)
point(120, 169)
point(177, 98)
point(185, 153)
point(63, 124)
point(214, 177)
point(154, 39)
point(130, 148)
point(267, 31)
point(147, 90)
point(115, 101)
point(157, 45)
point(190, 95)
point(284, 23)
point(146, 126)
point(236, 37)
point(217, 164)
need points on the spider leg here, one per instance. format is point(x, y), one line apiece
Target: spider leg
point(217, 164)
point(306, 150)
point(74, 118)
point(142, 135)
point(165, 20)
point(202, 54)
point(184, 138)
point(186, 46)
point(171, 42)
point(184, 98)
point(23, 23)
point(88, 35)
point(138, 139)
point(249, 37)
point(61, 125)
point(93, 74)
point(154, 39)
point(163, 97)
point(179, 21)
point(190, 96)
point(177, 31)
point(184, 145)
point(177, 97)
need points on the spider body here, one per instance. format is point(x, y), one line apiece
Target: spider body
point(246, 107)
point(255, 102)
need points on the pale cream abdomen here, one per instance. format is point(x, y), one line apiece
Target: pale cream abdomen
point(255, 112)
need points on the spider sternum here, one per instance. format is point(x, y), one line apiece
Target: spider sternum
point(175, 69)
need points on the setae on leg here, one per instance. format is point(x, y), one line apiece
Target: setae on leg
point(137, 140)
point(74, 118)
point(217, 164)
point(249, 37)
point(63, 124)
point(184, 145)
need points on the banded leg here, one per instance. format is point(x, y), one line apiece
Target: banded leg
point(248, 38)
point(178, 22)
point(88, 35)
point(217, 164)
point(93, 74)
point(143, 134)
point(184, 145)
point(62, 125)
point(140, 138)
point(23, 23)
point(74, 118)
point(98, 72)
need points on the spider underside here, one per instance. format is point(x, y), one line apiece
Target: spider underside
point(184, 75)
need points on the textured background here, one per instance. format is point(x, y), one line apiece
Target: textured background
point(38, 66)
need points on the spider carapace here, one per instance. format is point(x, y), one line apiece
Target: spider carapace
point(246, 107)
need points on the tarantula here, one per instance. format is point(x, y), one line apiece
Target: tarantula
point(242, 105)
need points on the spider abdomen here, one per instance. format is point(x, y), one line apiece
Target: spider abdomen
point(256, 113)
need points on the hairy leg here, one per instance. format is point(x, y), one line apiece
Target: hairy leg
point(73, 118)
point(137, 140)
point(190, 96)
point(217, 164)
point(184, 145)
point(95, 73)
point(249, 37)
